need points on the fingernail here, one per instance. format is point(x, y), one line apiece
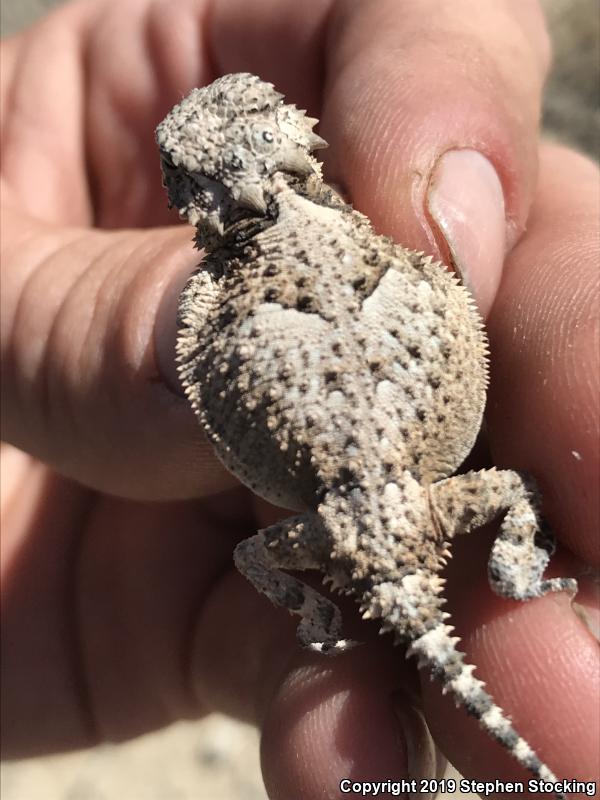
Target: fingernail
point(466, 203)
point(590, 618)
point(422, 754)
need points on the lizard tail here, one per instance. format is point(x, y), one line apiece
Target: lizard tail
point(436, 649)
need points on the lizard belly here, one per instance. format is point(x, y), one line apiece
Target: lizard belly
point(284, 394)
point(260, 399)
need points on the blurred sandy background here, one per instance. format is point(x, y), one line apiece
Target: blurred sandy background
point(217, 758)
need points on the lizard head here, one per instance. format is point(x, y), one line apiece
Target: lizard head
point(223, 143)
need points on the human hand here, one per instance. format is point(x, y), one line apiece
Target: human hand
point(120, 616)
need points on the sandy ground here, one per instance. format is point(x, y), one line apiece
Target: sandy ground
point(217, 758)
point(214, 759)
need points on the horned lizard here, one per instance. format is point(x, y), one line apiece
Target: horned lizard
point(343, 376)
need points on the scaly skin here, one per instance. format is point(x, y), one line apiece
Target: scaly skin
point(343, 376)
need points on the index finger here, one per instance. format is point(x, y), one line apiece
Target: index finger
point(543, 404)
point(543, 418)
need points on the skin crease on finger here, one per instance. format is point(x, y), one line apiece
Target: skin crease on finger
point(390, 202)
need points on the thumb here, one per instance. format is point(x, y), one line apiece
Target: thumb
point(88, 330)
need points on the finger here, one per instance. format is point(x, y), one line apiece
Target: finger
point(539, 662)
point(539, 659)
point(84, 316)
point(322, 719)
point(97, 158)
point(543, 404)
point(328, 726)
point(56, 159)
point(283, 42)
point(99, 598)
point(161, 563)
point(432, 114)
point(103, 137)
point(41, 688)
point(141, 620)
point(163, 62)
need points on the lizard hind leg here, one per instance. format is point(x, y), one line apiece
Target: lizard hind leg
point(523, 546)
point(436, 649)
point(297, 543)
point(521, 552)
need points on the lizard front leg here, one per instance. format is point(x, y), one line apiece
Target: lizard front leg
point(198, 298)
point(297, 543)
point(523, 546)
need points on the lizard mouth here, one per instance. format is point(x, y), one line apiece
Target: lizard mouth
point(209, 205)
point(212, 203)
point(199, 200)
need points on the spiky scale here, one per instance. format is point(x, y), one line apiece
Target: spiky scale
point(361, 391)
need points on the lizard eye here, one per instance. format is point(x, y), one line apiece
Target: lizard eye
point(263, 138)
